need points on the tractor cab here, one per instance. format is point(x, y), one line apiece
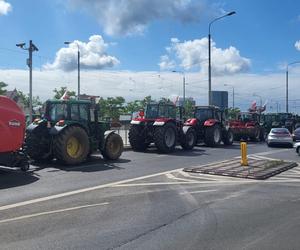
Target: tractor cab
point(205, 113)
point(160, 123)
point(69, 131)
point(210, 125)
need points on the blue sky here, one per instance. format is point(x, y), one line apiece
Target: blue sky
point(133, 35)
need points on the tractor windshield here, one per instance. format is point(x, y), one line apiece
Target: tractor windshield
point(151, 111)
point(167, 111)
point(57, 111)
point(203, 114)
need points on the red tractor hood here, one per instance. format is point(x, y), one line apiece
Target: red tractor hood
point(12, 125)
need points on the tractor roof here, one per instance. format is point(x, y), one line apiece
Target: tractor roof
point(72, 101)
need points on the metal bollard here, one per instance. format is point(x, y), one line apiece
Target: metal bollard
point(244, 159)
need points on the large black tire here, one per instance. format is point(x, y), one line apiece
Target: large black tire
point(113, 147)
point(228, 137)
point(71, 146)
point(165, 138)
point(262, 134)
point(256, 136)
point(37, 146)
point(213, 136)
point(136, 138)
point(189, 139)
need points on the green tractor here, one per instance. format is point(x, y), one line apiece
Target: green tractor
point(70, 131)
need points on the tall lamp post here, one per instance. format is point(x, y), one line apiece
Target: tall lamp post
point(229, 85)
point(287, 85)
point(30, 49)
point(209, 53)
point(183, 84)
point(78, 69)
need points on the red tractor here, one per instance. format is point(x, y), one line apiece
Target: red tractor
point(210, 125)
point(162, 124)
point(12, 131)
point(247, 126)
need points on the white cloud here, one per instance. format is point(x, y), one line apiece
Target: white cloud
point(194, 53)
point(5, 7)
point(92, 56)
point(166, 63)
point(136, 85)
point(123, 17)
point(297, 45)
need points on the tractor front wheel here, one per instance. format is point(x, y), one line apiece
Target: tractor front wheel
point(136, 138)
point(189, 140)
point(213, 136)
point(228, 137)
point(113, 147)
point(71, 146)
point(165, 138)
point(37, 146)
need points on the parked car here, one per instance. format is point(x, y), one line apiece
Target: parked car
point(297, 147)
point(296, 135)
point(280, 136)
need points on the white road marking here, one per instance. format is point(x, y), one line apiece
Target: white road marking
point(215, 183)
point(79, 191)
point(120, 183)
point(52, 212)
point(172, 177)
point(199, 191)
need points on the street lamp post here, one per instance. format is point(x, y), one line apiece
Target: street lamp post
point(287, 85)
point(78, 69)
point(229, 85)
point(183, 84)
point(30, 49)
point(209, 53)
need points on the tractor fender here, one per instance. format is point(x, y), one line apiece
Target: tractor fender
point(190, 122)
point(57, 129)
point(31, 127)
point(211, 122)
point(161, 121)
point(107, 133)
point(185, 129)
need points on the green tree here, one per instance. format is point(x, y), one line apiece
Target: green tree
point(58, 93)
point(3, 85)
point(134, 106)
point(232, 112)
point(112, 107)
point(188, 108)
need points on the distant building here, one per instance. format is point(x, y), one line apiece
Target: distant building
point(220, 99)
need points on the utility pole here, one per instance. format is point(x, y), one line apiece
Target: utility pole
point(78, 67)
point(287, 91)
point(30, 49)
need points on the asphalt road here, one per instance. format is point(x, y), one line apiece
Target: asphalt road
point(145, 201)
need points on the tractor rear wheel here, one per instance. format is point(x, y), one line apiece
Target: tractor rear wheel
point(37, 146)
point(165, 138)
point(71, 146)
point(189, 140)
point(136, 138)
point(113, 147)
point(228, 137)
point(213, 136)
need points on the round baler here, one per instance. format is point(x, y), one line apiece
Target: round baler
point(12, 131)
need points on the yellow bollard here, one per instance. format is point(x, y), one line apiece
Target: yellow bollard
point(244, 159)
